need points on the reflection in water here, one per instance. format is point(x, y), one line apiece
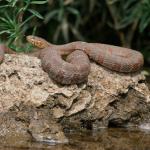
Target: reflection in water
point(105, 139)
point(145, 126)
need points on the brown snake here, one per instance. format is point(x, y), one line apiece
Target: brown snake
point(76, 67)
point(4, 49)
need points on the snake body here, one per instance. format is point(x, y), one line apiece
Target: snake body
point(74, 70)
point(4, 49)
point(77, 66)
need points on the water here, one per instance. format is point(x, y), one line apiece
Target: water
point(105, 139)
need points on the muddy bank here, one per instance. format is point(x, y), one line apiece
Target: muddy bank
point(33, 107)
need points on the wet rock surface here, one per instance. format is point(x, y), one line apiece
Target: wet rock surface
point(33, 107)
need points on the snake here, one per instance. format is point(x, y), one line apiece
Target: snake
point(74, 68)
point(4, 49)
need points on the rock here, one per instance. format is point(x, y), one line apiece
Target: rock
point(40, 109)
point(12, 131)
point(45, 129)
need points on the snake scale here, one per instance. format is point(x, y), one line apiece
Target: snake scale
point(75, 67)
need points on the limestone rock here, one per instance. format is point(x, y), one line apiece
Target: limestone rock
point(108, 98)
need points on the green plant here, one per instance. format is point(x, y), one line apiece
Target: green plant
point(128, 16)
point(66, 17)
point(130, 19)
point(14, 18)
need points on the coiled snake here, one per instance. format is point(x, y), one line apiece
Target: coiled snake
point(76, 67)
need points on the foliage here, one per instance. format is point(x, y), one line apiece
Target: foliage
point(13, 23)
point(62, 12)
point(66, 17)
point(130, 18)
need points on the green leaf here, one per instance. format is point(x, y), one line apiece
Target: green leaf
point(60, 14)
point(5, 31)
point(76, 33)
point(4, 20)
point(34, 30)
point(111, 2)
point(50, 15)
point(73, 11)
point(4, 6)
point(29, 18)
point(39, 2)
point(145, 21)
point(14, 2)
point(65, 30)
point(34, 12)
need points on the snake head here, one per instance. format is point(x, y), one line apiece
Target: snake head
point(37, 41)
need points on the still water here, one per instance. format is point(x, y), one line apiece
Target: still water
point(105, 139)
